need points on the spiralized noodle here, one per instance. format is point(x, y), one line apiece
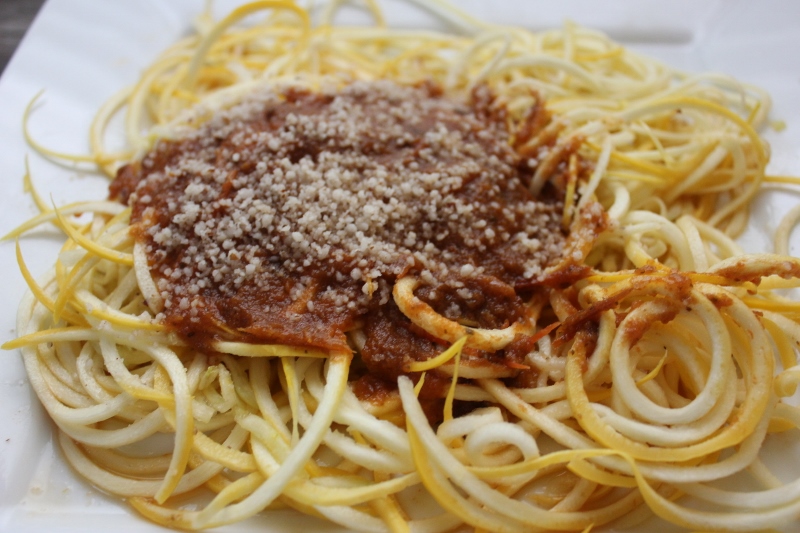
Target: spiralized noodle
point(660, 373)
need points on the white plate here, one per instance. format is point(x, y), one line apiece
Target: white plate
point(81, 52)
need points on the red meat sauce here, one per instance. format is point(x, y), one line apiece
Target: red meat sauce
point(288, 217)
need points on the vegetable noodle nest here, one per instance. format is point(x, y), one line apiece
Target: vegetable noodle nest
point(344, 269)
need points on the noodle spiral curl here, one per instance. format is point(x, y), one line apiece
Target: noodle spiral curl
point(661, 372)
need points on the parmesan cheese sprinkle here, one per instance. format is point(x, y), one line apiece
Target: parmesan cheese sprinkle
point(362, 184)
